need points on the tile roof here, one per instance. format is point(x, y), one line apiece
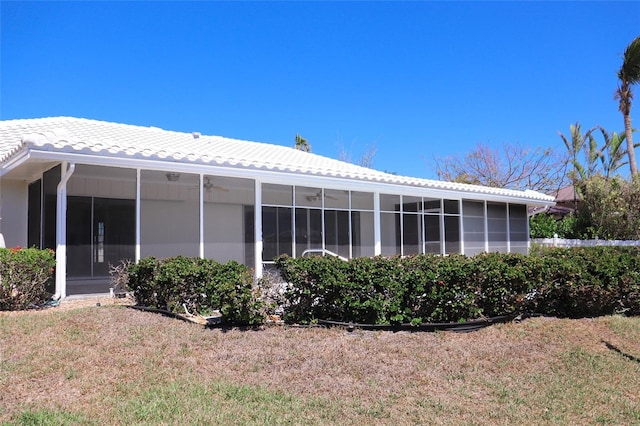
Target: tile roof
point(567, 194)
point(79, 135)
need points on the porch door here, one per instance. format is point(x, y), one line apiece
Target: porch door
point(100, 231)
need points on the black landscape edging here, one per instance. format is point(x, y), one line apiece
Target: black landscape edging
point(460, 327)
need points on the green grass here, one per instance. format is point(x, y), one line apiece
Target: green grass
point(112, 365)
point(44, 417)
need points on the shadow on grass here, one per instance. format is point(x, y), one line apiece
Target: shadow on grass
point(621, 352)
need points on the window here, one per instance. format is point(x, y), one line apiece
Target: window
point(497, 227)
point(390, 224)
point(473, 225)
point(451, 226)
point(432, 225)
point(308, 226)
point(276, 232)
point(518, 228)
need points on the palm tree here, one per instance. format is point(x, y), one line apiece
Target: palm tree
point(580, 142)
point(613, 152)
point(629, 74)
point(302, 144)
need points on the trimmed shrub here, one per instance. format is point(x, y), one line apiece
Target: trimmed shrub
point(143, 283)
point(578, 282)
point(503, 282)
point(589, 281)
point(202, 285)
point(26, 275)
point(379, 290)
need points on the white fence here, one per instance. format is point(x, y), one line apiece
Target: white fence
point(562, 242)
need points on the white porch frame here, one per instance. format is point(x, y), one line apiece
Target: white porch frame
point(258, 177)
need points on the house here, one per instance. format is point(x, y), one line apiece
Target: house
point(98, 192)
point(568, 200)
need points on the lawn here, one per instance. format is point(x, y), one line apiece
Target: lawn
point(111, 364)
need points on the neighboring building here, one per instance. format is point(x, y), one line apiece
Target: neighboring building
point(99, 192)
point(568, 201)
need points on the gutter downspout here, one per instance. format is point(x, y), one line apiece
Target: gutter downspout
point(61, 231)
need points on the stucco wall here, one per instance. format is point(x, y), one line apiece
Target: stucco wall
point(169, 228)
point(224, 232)
point(13, 210)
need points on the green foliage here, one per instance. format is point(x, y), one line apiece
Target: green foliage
point(302, 144)
point(611, 207)
point(573, 283)
point(605, 159)
point(202, 285)
point(572, 226)
point(142, 281)
point(501, 281)
point(576, 282)
point(588, 281)
point(25, 277)
point(380, 290)
point(230, 288)
point(544, 225)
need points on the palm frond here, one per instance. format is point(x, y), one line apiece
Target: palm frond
point(630, 70)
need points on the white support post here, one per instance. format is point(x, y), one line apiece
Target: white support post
point(61, 230)
point(138, 204)
point(461, 226)
point(401, 225)
point(377, 234)
point(486, 227)
point(201, 216)
point(350, 228)
point(528, 230)
point(258, 229)
point(443, 241)
point(509, 229)
point(294, 236)
point(322, 227)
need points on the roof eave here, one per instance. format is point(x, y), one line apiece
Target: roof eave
point(14, 160)
point(271, 175)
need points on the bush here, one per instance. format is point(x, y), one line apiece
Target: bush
point(379, 290)
point(202, 285)
point(573, 283)
point(589, 281)
point(577, 282)
point(503, 282)
point(544, 225)
point(26, 275)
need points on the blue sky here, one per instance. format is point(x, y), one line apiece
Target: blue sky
point(417, 80)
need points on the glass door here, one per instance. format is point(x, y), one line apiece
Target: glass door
point(114, 229)
point(100, 232)
point(79, 212)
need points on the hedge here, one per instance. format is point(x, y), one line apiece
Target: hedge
point(573, 283)
point(203, 285)
point(26, 277)
point(577, 282)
